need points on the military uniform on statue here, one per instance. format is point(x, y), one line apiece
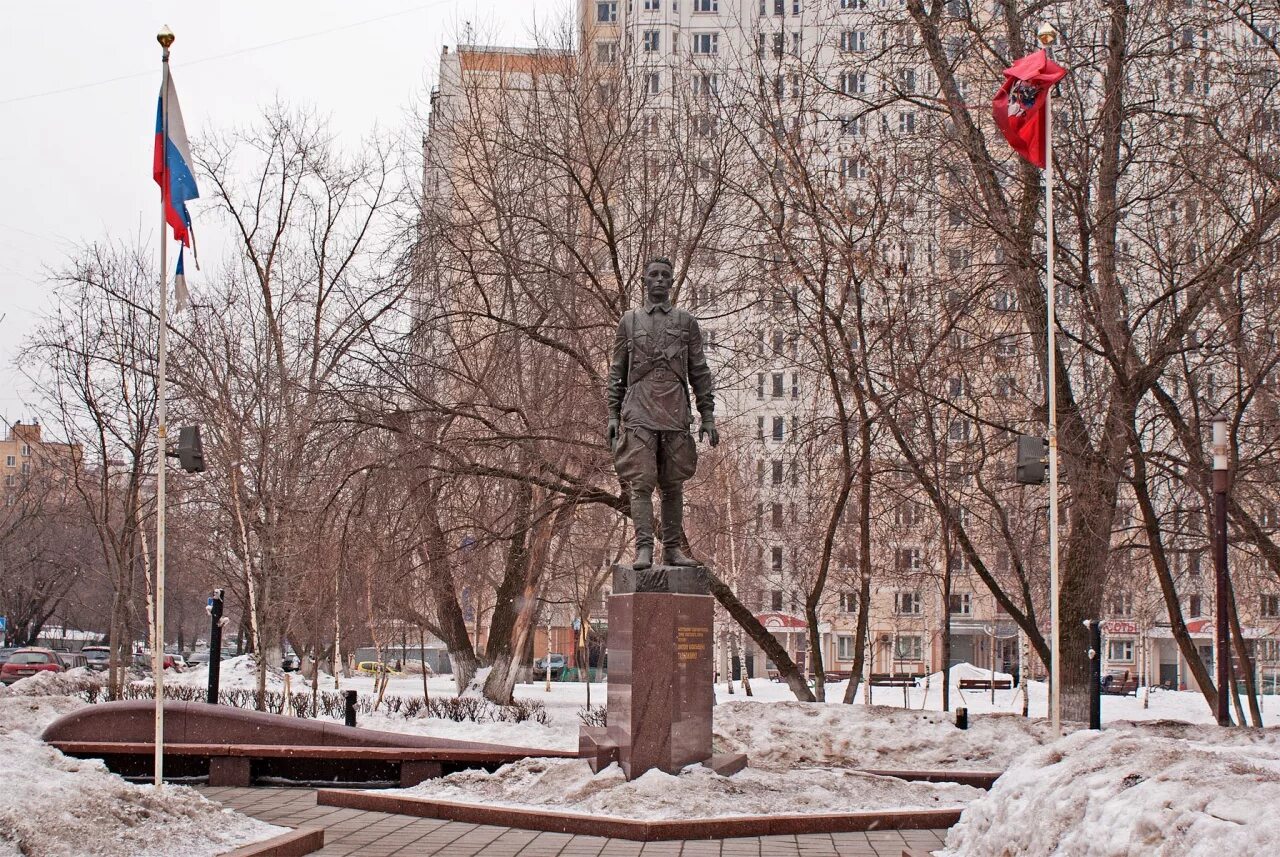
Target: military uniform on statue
point(657, 358)
point(660, 616)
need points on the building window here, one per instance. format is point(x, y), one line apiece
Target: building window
point(906, 514)
point(1004, 301)
point(1120, 650)
point(908, 648)
point(907, 603)
point(955, 387)
point(707, 44)
point(1271, 606)
point(958, 431)
point(848, 602)
point(777, 428)
point(908, 559)
point(775, 559)
point(11, 460)
point(1006, 346)
point(775, 600)
point(853, 41)
point(1194, 606)
point(607, 52)
point(704, 125)
point(705, 5)
point(777, 473)
point(957, 564)
point(852, 168)
point(777, 385)
point(706, 85)
point(26, 467)
point(607, 13)
point(1122, 605)
point(907, 79)
point(852, 83)
point(10, 479)
point(860, 5)
point(844, 647)
point(795, 385)
point(775, 515)
point(759, 428)
point(960, 604)
point(651, 41)
point(1266, 650)
point(652, 83)
point(759, 385)
point(907, 122)
point(853, 126)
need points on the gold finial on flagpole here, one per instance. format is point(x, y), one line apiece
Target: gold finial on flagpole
point(1047, 34)
point(165, 37)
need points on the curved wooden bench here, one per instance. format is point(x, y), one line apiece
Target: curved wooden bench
point(233, 747)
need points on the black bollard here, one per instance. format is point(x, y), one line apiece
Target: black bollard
point(350, 711)
point(1095, 673)
point(215, 645)
point(962, 718)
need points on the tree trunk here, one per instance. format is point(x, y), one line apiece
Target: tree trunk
point(760, 635)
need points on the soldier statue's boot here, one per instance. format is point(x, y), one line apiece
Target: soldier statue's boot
point(642, 518)
point(673, 528)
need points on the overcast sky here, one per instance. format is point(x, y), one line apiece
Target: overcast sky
point(78, 87)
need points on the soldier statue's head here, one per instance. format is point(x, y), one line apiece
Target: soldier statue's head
point(657, 279)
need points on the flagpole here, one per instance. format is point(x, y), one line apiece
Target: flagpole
point(1047, 35)
point(165, 38)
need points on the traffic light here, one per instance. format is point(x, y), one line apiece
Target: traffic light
point(1033, 460)
point(190, 452)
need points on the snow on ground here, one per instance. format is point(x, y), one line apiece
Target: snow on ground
point(52, 805)
point(1155, 790)
point(568, 785)
point(784, 735)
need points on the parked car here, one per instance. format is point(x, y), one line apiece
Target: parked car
point(558, 663)
point(171, 662)
point(198, 658)
point(291, 662)
point(72, 660)
point(97, 658)
point(6, 652)
point(28, 662)
point(376, 668)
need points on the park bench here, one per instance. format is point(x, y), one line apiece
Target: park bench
point(1121, 684)
point(986, 684)
point(235, 747)
point(894, 679)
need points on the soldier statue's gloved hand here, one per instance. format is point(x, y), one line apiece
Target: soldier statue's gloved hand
point(611, 434)
point(708, 431)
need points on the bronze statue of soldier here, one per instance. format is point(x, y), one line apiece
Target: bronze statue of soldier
point(657, 359)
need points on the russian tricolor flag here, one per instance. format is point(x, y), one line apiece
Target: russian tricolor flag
point(173, 167)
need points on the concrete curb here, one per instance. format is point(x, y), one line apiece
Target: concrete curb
point(295, 843)
point(642, 830)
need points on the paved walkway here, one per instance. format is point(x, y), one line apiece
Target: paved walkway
point(352, 832)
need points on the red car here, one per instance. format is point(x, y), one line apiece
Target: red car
point(28, 662)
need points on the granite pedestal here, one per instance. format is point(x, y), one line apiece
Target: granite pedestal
point(660, 691)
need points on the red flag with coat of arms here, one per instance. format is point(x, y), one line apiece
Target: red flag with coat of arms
point(1019, 106)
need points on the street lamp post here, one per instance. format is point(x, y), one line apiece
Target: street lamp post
point(1221, 481)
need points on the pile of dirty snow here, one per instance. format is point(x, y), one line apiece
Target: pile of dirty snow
point(79, 682)
point(52, 805)
point(784, 735)
point(568, 785)
point(1156, 791)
